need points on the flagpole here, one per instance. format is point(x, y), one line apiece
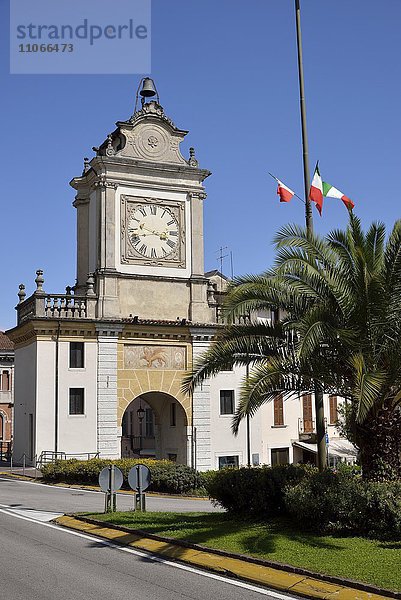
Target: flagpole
point(308, 206)
point(319, 406)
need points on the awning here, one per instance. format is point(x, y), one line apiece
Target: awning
point(337, 447)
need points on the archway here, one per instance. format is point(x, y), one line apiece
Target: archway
point(154, 425)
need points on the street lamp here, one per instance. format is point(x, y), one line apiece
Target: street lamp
point(141, 413)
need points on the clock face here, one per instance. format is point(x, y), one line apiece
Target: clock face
point(153, 231)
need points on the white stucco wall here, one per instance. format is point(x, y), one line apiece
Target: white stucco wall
point(45, 391)
point(25, 393)
point(77, 433)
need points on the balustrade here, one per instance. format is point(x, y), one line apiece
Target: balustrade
point(61, 306)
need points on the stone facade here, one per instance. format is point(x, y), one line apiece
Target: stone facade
point(99, 368)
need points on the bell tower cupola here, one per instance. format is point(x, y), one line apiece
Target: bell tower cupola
point(140, 219)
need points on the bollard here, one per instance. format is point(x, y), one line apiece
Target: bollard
point(23, 464)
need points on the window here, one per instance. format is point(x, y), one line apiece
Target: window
point(149, 424)
point(226, 402)
point(76, 401)
point(333, 410)
point(77, 360)
point(307, 413)
point(5, 381)
point(228, 461)
point(280, 456)
point(255, 460)
point(278, 411)
point(173, 414)
point(1, 427)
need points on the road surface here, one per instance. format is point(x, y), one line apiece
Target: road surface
point(39, 496)
point(41, 561)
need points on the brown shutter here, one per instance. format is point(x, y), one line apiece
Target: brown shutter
point(333, 410)
point(278, 411)
point(307, 412)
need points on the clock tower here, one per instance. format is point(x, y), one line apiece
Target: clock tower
point(140, 221)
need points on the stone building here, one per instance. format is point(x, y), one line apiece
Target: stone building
point(99, 367)
point(6, 394)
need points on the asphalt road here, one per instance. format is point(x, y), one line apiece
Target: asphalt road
point(42, 561)
point(30, 495)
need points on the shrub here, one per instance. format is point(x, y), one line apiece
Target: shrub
point(340, 502)
point(255, 492)
point(167, 477)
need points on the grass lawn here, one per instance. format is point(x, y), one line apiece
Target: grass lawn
point(374, 562)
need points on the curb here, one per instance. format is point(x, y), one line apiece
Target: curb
point(265, 573)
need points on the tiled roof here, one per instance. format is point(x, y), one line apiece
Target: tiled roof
point(5, 342)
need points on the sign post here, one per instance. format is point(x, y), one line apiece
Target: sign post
point(110, 480)
point(139, 479)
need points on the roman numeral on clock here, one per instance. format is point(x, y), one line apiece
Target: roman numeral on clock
point(153, 253)
point(153, 210)
point(171, 243)
point(171, 222)
point(143, 249)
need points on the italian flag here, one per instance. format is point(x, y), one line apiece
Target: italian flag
point(316, 190)
point(283, 191)
point(332, 192)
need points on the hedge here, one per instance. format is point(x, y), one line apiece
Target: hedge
point(341, 502)
point(256, 492)
point(167, 477)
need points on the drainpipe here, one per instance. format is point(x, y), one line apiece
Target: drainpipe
point(56, 399)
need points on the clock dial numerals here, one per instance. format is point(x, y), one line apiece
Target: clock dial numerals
point(153, 231)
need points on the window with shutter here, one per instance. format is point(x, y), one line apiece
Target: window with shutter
point(5, 381)
point(333, 410)
point(307, 413)
point(278, 411)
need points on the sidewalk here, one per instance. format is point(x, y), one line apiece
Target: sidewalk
point(286, 579)
point(30, 472)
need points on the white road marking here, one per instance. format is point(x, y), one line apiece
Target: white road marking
point(149, 556)
point(36, 515)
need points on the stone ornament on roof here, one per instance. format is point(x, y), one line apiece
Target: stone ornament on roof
point(152, 108)
point(148, 135)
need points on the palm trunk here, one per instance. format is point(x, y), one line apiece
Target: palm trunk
point(379, 441)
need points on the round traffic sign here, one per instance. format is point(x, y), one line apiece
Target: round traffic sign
point(105, 479)
point(139, 477)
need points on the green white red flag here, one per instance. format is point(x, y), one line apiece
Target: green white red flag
point(332, 192)
point(283, 191)
point(316, 190)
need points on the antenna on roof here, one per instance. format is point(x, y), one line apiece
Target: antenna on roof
point(221, 257)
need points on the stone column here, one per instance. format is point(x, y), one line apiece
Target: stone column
point(201, 405)
point(106, 275)
point(108, 440)
point(197, 251)
point(82, 206)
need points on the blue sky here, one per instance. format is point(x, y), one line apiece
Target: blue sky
point(225, 70)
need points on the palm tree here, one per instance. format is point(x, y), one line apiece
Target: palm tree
point(341, 300)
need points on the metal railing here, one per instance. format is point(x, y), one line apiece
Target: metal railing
point(49, 456)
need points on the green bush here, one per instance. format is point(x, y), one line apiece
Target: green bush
point(255, 492)
point(167, 477)
point(341, 502)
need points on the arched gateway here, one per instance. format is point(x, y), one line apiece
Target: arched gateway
point(154, 425)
